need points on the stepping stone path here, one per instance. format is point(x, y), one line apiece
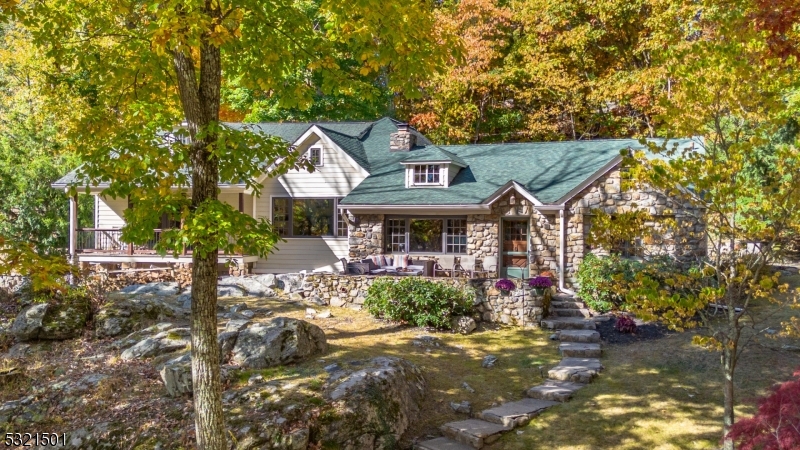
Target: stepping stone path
point(580, 346)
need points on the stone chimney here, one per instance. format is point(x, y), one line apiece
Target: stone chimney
point(402, 141)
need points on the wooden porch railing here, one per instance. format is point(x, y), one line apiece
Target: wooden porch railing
point(109, 240)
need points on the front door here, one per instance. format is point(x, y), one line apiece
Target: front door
point(514, 261)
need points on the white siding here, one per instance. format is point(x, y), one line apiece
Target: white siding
point(335, 178)
point(311, 254)
point(109, 212)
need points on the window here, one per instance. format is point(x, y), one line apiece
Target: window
point(315, 156)
point(396, 236)
point(426, 235)
point(341, 224)
point(307, 217)
point(280, 216)
point(456, 237)
point(426, 174)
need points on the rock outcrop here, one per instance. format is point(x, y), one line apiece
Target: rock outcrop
point(280, 341)
point(374, 405)
point(52, 321)
point(164, 342)
point(122, 315)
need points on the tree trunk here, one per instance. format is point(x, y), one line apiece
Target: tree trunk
point(727, 417)
point(200, 102)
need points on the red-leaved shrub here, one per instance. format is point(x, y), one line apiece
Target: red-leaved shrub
point(776, 425)
point(625, 325)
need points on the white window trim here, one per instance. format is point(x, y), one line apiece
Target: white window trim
point(321, 155)
point(407, 233)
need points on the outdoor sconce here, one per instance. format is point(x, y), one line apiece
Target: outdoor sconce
point(512, 200)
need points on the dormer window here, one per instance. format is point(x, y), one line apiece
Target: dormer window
point(315, 156)
point(427, 174)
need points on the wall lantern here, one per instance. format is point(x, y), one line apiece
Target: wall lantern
point(512, 200)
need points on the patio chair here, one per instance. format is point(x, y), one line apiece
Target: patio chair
point(465, 265)
point(445, 265)
point(488, 266)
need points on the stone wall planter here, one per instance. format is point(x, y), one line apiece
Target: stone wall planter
point(519, 307)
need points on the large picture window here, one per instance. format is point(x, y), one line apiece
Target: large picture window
point(426, 235)
point(306, 217)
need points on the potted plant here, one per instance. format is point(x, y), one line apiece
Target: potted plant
point(505, 285)
point(540, 283)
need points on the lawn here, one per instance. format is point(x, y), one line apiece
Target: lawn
point(662, 394)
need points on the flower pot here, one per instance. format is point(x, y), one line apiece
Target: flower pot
point(538, 291)
point(504, 291)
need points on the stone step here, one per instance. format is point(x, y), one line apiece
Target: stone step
point(578, 336)
point(579, 370)
point(570, 312)
point(516, 414)
point(441, 443)
point(580, 350)
point(473, 432)
point(566, 304)
point(570, 323)
point(554, 390)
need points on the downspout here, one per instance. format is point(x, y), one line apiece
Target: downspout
point(562, 245)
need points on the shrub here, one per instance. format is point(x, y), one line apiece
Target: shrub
point(505, 285)
point(774, 427)
point(597, 283)
point(417, 301)
point(625, 325)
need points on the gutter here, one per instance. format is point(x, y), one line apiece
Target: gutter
point(562, 246)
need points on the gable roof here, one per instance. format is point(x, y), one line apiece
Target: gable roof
point(432, 153)
point(547, 170)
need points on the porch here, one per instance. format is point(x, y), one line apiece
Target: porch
point(106, 246)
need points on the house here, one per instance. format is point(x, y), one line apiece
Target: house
point(383, 188)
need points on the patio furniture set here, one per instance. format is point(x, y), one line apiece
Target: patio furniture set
point(444, 266)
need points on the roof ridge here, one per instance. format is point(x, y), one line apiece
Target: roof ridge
point(544, 142)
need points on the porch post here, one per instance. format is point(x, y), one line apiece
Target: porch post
point(73, 228)
point(241, 202)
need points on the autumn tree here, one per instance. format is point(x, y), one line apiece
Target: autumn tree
point(33, 149)
point(156, 71)
point(729, 90)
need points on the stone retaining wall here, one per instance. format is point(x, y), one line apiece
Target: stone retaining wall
point(491, 305)
point(11, 284)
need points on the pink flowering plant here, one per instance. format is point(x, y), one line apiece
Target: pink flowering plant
point(505, 285)
point(541, 282)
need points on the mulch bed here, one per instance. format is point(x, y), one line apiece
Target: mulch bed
point(644, 332)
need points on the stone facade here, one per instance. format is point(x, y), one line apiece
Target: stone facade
point(365, 235)
point(686, 241)
point(519, 307)
point(483, 230)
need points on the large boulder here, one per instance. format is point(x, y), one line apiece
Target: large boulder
point(62, 320)
point(121, 315)
point(280, 341)
point(241, 286)
point(163, 288)
point(177, 375)
point(164, 342)
point(373, 406)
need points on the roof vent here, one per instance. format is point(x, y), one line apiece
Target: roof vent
point(402, 141)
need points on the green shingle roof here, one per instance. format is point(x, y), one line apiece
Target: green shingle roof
point(548, 170)
point(433, 153)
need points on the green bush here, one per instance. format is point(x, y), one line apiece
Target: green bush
point(599, 280)
point(417, 301)
point(604, 281)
